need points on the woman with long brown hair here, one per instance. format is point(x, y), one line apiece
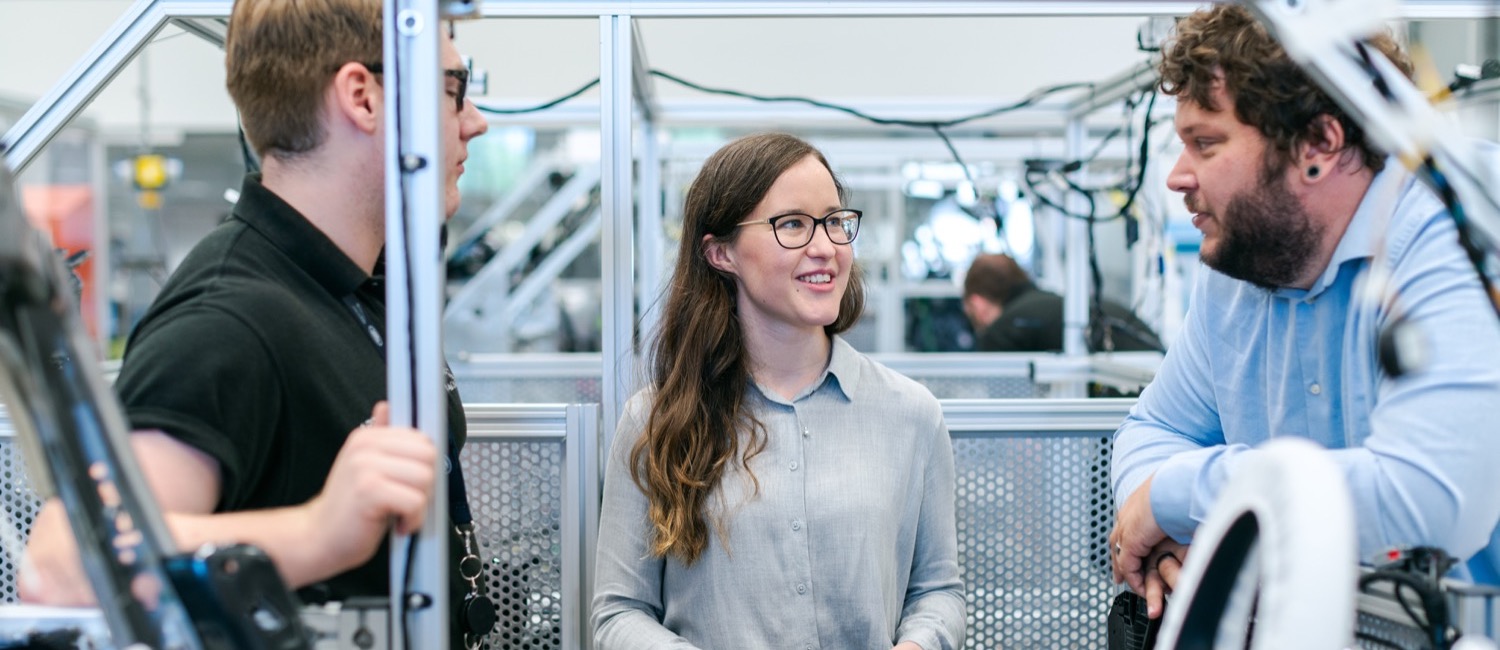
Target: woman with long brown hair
point(774, 488)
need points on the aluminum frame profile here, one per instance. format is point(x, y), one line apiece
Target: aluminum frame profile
point(109, 55)
point(479, 288)
point(963, 364)
point(528, 290)
point(1134, 79)
point(524, 186)
point(1030, 418)
point(415, 176)
point(591, 482)
point(747, 8)
point(528, 366)
point(213, 30)
point(617, 243)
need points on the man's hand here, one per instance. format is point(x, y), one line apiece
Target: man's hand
point(1135, 535)
point(382, 477)
point(51, 572)
point(1163, 568)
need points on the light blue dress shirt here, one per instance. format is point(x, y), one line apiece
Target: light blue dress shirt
point(1421, 452)
point(850, 543)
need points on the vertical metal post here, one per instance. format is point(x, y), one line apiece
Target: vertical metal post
point(591, 481)
point(890, 323)
point(103, 258)
point(653, 241)
point(1053, 274)
point(572, 521)
point(414, 176)
point(1076, 297)
point(616, 241)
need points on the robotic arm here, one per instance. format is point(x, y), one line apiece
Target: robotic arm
point(73, 434)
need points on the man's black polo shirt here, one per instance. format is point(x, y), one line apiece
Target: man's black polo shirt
point(251, 355)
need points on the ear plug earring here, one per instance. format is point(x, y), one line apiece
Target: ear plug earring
point(1312, 172)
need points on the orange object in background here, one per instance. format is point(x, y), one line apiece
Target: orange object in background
point(66, 213)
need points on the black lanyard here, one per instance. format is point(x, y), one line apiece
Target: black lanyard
point(458, 497)
point(476, 612)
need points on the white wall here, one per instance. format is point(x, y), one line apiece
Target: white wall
point(979, 61)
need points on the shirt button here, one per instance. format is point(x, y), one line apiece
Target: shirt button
point(792, 466)
point(1315, 389)
point(801, 588)
point(805, 433)
point(807, 647)
point(796, 525)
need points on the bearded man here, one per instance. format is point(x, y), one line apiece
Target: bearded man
point(1281, 339)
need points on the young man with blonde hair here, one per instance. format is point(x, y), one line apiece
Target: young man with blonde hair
point(254, 382)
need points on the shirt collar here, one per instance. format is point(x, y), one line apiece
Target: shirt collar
point(297, 238)
point(843, 365)
point(1358, 242)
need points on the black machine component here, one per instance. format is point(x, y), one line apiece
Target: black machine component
point(73, 431)
point(236, 599)
point(1415, 578)
point(1129, 626)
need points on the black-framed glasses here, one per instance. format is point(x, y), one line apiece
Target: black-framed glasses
point(460, 74)
point(795, 230)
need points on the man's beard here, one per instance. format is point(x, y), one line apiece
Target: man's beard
point(1266, 237)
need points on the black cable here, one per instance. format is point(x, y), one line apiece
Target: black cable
point(1456, 210)
point(1104, 142)
point(986, 208)
point(1141, 159)
point(1030, 99)
point(404, 177)
point(1433, 619)
point(540, 107)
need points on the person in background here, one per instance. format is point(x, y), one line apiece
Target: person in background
point(1296, 205)
point(1010, 314)
point(774, 488)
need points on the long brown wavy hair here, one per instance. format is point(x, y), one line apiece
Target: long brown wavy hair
point(699, 423)
point(1270, 92)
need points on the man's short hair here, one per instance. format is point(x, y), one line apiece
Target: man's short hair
point(280, 56)
point(1269, 91)
point(996, 278)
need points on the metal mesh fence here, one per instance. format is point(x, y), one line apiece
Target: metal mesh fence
point(1034, 514)
point(1033, 523)
point(529, 390)
point(18, 504)
point(518, 502)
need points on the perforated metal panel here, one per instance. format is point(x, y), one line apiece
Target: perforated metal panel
point(516, 491)
point(982, 387)
point(1379, 633)
point(1034, 515)
point(19, 504)
point(517, 496)
point(529, 390)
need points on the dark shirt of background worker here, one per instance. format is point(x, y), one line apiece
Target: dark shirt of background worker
point(1010, 314)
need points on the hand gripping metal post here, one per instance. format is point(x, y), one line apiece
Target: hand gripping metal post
point(414, 179)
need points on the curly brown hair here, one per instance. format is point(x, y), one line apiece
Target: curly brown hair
point(1225, 44)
